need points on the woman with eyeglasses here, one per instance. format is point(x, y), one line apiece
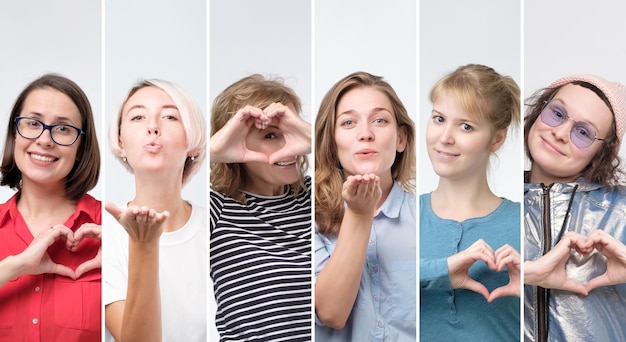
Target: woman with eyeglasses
point(50, 278)
point(575, 212)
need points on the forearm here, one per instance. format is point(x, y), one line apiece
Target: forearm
point(142, 312)
point(9, 269)
point(337, 285)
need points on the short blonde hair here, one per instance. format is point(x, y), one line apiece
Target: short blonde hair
point(191, 116)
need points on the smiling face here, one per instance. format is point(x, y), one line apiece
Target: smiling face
point(555, 156)
point(367, 133)
point(269, 179)
point(40, 160)
point(152, 135)
point(458, 145)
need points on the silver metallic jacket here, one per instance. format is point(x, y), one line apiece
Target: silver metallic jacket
point(579, 207)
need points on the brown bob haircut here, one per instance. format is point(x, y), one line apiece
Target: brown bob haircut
point(84, 175)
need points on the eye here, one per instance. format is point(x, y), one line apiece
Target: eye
point(170, 117)
point(558, 114)
point(582, 131)
point(270, 136)
point(33, 123)
point(62, 129)
point(380, 121)
point(136, 117)
point(347, 123)
point(438, 119)
point(466, 127)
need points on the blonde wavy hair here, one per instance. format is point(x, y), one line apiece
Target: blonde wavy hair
point(329, 178)
point(260, 92)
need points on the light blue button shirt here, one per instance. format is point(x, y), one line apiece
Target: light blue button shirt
point(385, 306)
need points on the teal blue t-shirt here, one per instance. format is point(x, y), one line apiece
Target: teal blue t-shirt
point(448, 314)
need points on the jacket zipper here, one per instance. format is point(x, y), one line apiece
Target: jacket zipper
point(543, 294)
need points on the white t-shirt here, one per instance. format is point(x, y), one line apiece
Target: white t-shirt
point(182, 275)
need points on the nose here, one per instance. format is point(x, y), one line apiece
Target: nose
point(45, 138)
point(447, 136)
point(562, 131)
point(365, 133)
point(153, 127)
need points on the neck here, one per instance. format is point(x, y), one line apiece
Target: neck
point(463, 198)
point(537, 175)
point(44, 206)
point(162, 196)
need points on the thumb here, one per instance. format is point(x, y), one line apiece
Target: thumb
point(477, 287)
point(63, 270)
point(112, 209)
point(575, 287)
point(598, 281)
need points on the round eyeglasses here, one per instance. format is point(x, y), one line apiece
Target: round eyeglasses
point(583, 134)
point(62, 134)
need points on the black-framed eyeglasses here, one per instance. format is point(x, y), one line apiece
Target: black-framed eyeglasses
point(61, 134)
point(583, 134)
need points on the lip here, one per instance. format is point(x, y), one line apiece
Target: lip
point(366, 153)
point(551, 147)
point(445, 154)
point(153, 146)
point(285, 163)
point(42, 158)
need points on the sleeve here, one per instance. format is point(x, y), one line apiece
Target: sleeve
point(115, 264)
point(323, 248)
point(434, 274)
point(217, 203)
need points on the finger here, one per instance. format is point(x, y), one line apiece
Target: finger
point(351, 185)
point(599, 281)
point(113, 210)
point(161, 217)
point(575, 287)
point(503, 291)
point(477, 287)
point(87, 266)
point(90, 230)
point(62, 270)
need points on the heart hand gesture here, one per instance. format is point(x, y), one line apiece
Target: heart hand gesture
point(460, 263)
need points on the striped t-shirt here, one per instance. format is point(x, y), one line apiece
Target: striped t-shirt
point(260, 264)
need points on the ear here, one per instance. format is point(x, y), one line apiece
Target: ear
point(402, 139)
point(498, 140)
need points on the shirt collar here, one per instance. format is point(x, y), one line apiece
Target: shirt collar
point(87, 206)
point(392, 205)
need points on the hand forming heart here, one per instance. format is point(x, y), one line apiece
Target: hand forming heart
point(228, 145)
point(35, 259)
point(460, 263)
point(549, 270)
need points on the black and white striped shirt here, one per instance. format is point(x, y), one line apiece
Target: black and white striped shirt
point(260, 264)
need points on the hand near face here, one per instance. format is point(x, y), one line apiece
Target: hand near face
point(35, 259)
point(362, 193)
point(228, 145)
point(615, 253)
point(93, 231)
point(509, 257)
point(460, 263)
point(296, 131)
point(549, 270)
point(143, 225)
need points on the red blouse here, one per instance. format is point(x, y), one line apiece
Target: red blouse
point(50, 307)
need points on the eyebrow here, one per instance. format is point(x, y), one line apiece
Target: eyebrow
point(139, 106)
point(374, 110)
point(56, 118)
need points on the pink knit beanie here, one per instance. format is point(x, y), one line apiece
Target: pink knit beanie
point(614, 91)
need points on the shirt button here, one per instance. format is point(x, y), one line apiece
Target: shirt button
point(381, 324)
point(375, 298)
point(37, 288)
point(375, 269)
point(35, 321)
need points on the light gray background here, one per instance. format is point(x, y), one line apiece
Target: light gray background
point(379, 37)
point(573, 37)
point(39, 37)
point(270, 37)
point(455, 33)
point(163, 39)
